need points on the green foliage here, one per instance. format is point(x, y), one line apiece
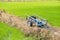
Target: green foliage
point(47, 10)
point(11, 33)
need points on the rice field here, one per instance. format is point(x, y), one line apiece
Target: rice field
point(47, 10)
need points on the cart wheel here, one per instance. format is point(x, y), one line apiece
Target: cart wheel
point(29, 24)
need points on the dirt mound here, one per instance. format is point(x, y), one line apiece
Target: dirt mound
point(21, 24)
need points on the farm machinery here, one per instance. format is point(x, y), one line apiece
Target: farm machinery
point(33, 21)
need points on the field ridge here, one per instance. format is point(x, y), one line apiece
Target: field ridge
point(22, 25)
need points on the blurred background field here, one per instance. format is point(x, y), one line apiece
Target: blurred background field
point(26, 0)
point(48, 10)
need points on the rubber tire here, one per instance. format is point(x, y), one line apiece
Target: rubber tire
point(30, 24)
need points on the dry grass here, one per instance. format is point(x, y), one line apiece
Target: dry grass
point(39, 33)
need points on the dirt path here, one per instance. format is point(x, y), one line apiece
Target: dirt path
point(21, 24)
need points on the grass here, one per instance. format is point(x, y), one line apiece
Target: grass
point(11, 33)
point(47, 10)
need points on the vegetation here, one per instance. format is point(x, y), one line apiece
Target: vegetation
point(47, 10)
point(11, 33)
